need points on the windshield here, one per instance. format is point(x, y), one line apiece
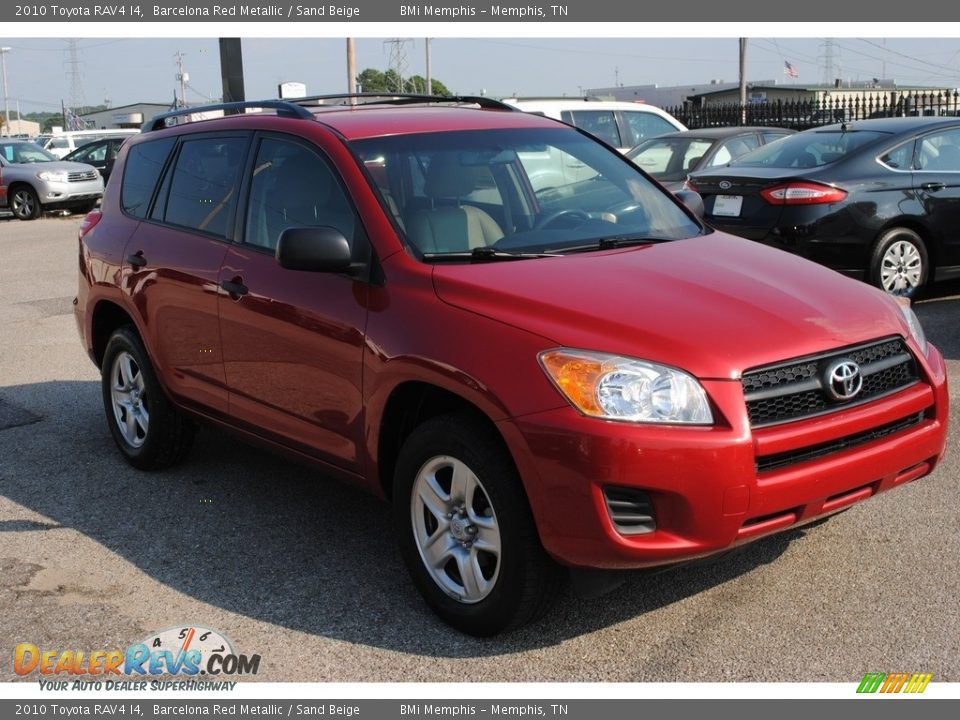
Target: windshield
point(24, 153)
point(813, 148)
point(530, 191)
point(670, 159)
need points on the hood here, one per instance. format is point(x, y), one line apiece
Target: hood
point(713, 305)
point(54, 166)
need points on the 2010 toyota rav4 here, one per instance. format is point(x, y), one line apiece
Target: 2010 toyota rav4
point(577, 376)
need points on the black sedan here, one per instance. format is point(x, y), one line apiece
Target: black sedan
point(669, 158)
point(100, 154)
point(875, 199)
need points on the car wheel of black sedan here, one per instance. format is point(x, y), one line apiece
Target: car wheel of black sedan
point(24, 203)
point(900, 263)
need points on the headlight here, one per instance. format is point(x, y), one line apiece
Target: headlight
point(913, 322)
point(621, 388)
point(53, 175)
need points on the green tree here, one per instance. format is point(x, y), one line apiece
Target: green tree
point(375, 81)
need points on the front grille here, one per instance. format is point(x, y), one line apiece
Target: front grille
point(795, 389)
point(812, 452)
point(630, 510)
point(82, 176)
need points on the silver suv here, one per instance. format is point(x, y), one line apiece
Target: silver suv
point(33, 180)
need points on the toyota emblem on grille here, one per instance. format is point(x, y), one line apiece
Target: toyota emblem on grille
point(842, 379)
point(725, 184)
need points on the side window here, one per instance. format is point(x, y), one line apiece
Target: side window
point(92, 153)
point(203, 184)
point(599, 123)
point(900, 157)
point(940, 152)
point(58, 143)
point(645, 125)
point(292, 186)
point(140, 174)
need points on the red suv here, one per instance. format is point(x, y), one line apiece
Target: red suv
point(541, 357)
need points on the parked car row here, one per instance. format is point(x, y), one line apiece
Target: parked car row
point(875, 199)
point(542, 380)
point(34, 180)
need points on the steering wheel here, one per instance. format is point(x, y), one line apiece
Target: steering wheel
point(544, 221)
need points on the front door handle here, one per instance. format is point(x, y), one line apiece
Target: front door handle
point(235, 287)
point(137, 259)
point(933, 186)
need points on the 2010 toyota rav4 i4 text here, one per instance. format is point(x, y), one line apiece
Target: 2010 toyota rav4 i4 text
point(574, 374)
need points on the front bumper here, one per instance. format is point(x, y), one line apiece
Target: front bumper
point(58, 194)
point(703, 483)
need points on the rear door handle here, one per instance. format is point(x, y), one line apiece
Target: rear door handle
point(933, 186)
point(235, 287)
point(137, 259)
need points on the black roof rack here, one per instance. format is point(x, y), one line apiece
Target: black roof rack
point(283, 108)
point(401, 99)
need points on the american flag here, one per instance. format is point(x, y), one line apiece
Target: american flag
point(790, 70)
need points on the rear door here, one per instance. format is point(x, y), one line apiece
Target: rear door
point(293, 340)
point(174, 257)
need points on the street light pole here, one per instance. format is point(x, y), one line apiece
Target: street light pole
point(6, 104)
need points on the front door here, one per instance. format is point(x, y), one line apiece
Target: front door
point(293, 340)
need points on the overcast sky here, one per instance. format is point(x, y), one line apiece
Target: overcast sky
point(143, 70)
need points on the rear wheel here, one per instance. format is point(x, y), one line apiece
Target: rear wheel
point(900, 264)
point(466, 531)
point(24, 203)
point(150, 432)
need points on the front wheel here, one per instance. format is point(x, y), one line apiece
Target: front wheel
point(150, 432)
point(900, 263)
point(466, 531)
point(24, 203)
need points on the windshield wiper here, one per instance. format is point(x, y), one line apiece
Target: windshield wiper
point(616, 241)
point(484, 254)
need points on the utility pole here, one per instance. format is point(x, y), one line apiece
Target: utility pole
point(429, 72)
point(351, 67)
point(743, 80)
point(182, 78)
point(6, 105)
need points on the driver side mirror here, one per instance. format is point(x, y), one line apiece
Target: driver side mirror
point(314, 249)
point(693, 201)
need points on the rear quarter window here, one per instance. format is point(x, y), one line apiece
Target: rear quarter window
point(141, 171)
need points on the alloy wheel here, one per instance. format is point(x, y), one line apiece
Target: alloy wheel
point(455, 529)
point(901, 268)
point(131, 408)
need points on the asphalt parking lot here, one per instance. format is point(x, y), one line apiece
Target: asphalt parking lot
point(304, 571)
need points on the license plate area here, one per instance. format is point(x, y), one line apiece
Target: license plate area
point(728, 205)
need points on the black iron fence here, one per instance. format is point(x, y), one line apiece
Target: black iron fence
point(804, 114)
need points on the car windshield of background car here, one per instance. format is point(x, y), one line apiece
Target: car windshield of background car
point(809, 149)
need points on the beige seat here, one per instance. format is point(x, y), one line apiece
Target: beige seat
point(451, 228)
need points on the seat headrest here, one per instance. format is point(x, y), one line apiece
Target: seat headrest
point(447, 178)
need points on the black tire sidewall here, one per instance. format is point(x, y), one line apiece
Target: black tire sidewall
point(36, 202)
point(143, 457)
point(520, 547)
point(888, 238)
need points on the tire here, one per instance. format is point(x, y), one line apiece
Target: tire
point(900, 264)
point(24, 203)
point(507, 580)
point(150, 432)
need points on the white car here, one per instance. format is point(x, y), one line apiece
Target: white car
point(65, 142)
point(620, 124)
